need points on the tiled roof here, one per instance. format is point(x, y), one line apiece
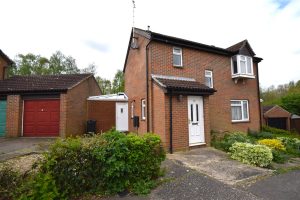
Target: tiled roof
point(183, 84)
point(266, 108)
point(238, 46)
point(41, 83)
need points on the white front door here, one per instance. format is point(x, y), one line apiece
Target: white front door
point(195, 120)
point(122, 116)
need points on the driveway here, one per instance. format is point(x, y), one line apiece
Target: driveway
point(14, 147)
point(218, 165)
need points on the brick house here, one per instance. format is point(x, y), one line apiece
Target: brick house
point(182, 90)
point(47, 105)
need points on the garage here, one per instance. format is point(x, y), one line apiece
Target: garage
point(41, 117)
point(279, 122)
point(2, 117)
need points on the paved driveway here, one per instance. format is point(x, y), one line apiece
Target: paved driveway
point(13, 147)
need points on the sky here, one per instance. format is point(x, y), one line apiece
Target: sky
point(97, 31)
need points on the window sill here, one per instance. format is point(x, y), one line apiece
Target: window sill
point(240, 121)
point(178, 66)
point(242, 76)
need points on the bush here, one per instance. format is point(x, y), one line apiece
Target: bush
point(106, 164)
point(279, 156)
point(9, 181)
point(275, 130)
point(261, 135)
point(230, 139)
point(292, 145)
point(272, 143)
point(258, 155)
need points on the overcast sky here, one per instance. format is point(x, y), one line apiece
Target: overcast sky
point(97, 31)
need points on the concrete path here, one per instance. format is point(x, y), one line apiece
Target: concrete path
point(14, 147)
point(218, 165)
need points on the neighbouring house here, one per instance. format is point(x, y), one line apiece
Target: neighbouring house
point(277, 117)
point(5, 63)
point(109, 111)
point(46, 105)
point(182, 90)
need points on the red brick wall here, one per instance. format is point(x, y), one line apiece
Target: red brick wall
point(135, 82)
point(14, 116)
point(104, 112)
point(159, 116)
point(76, 103)
point(195, 62)
point(63, 115)
point(3, 64)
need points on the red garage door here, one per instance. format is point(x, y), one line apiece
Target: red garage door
point(41, 117)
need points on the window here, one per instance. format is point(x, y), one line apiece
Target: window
point(239, 110)
point(143, 109)
point(132, 109)
point(242, 65)
point(209, 78)
point(177, 57)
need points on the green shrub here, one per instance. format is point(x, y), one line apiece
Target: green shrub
point(258, 155)
point(10, 179)
point(40, 187)
point(279, 156)
point(292, 145)
point(276, 130)
point(106, 164)
point(230, 139)
point(272, 143)
point(261, 135)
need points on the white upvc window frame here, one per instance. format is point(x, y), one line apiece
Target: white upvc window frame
point(177, 54)
point(209, 74)
point(248, 66)
point(241, 105)
point(143, 107)
point(132, 109)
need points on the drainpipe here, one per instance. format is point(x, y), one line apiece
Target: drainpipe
point(147, 85)
point(171, 123)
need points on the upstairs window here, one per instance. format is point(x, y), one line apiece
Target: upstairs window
point(177, 57)
point(239, 110)
point(209, 78)
point(143, 109)
point(242, 65)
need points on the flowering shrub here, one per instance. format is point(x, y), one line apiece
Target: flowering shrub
point(258, 155)
point(272, 143)
point(292, 145)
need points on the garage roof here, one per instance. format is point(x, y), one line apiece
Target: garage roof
point(121, 96)
point(41, 83)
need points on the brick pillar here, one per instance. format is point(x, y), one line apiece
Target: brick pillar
point(63, 115)
point(14, 115)
point(206, 120)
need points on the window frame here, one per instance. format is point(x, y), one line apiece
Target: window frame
point(243, 119)
point(178, 54)
point(209, 76)
point(247, 60)
point(143, 109)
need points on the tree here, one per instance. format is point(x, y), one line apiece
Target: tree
point(90, 69)
point(291, 102)
point(104, 84)
point(118, 82)
point(31, 64)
